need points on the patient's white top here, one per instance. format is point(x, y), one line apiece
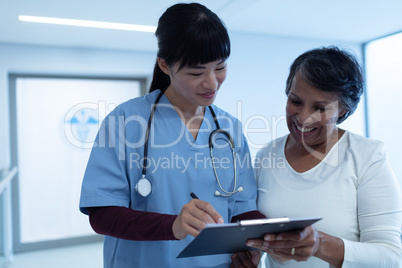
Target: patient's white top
point(353, 189)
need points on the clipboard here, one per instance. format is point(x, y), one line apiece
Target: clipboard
point(232, 237)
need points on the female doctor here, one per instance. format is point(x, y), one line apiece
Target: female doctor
point(152, 152)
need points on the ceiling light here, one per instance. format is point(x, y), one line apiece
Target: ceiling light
point(87, 23)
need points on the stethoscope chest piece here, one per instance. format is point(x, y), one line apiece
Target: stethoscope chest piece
point(143, 187)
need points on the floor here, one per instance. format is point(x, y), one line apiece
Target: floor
point(83, 256)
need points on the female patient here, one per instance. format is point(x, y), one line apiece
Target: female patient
point(330, 172)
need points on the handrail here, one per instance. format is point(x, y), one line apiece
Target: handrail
point(5, 193)
point(7, 179)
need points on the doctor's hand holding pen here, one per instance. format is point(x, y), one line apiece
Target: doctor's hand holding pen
point(193, 217)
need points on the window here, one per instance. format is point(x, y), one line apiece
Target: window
point(57, 120)
point(384, 90)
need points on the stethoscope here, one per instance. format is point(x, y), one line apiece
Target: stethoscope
point(144, 187)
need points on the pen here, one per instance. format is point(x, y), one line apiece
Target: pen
point(193, 195)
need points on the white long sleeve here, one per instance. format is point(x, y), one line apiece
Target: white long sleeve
point(353, 189)
point(378, 199)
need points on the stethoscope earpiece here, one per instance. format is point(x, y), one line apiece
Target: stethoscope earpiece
point(240, 189)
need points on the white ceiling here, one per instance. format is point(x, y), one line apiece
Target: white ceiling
point(354, 21)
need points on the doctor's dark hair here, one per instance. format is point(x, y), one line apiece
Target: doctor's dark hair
point(188, 34)
point(331, 69)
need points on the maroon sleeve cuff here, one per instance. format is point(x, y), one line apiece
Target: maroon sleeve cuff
point(126, 223)
point(250, 215)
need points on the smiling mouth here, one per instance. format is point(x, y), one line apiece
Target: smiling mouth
point(208, 94)
point(304, 129)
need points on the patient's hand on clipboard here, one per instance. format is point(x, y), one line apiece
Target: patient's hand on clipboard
point(193, 217)
point(297, 245)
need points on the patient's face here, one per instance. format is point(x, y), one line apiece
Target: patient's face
point(311, 113)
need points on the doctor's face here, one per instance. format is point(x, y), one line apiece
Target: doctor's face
point(197, 85)
point(311, 114)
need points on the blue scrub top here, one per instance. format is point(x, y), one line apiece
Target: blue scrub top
point(177, 165)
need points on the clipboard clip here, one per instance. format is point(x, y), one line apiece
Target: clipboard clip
point(263, 221)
